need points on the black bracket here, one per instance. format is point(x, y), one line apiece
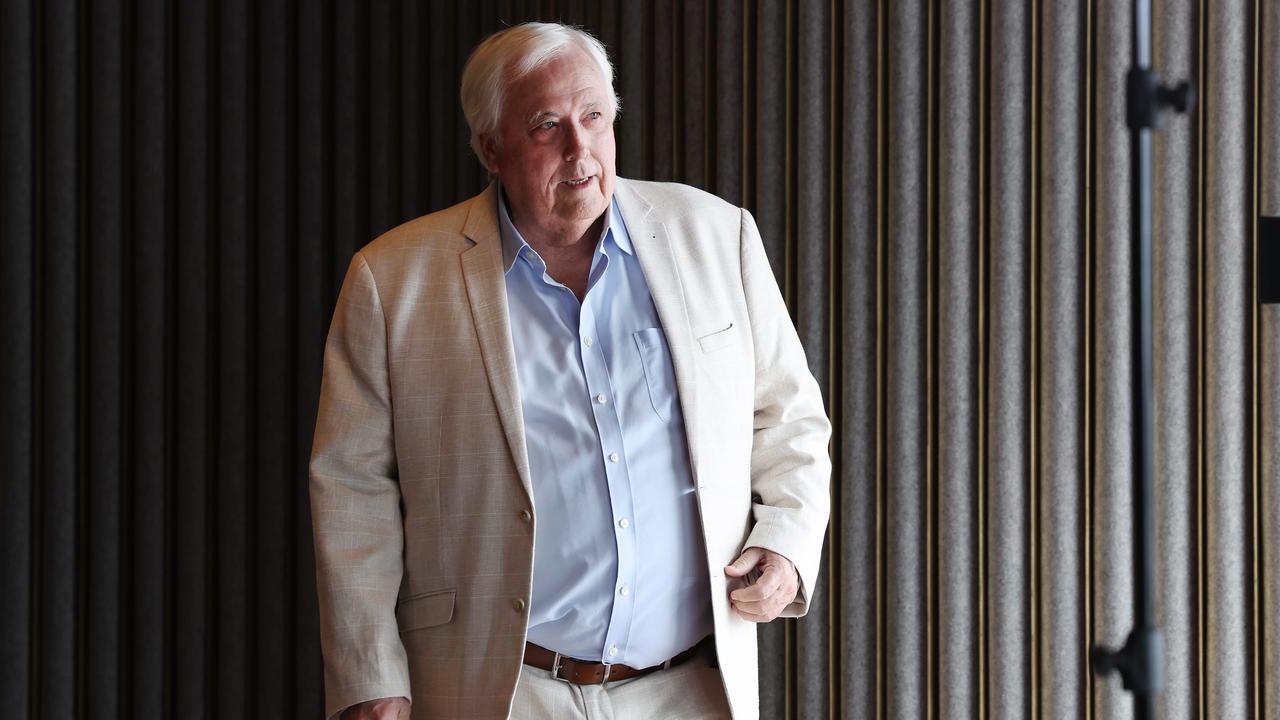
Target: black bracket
point(1147, 97)
point(1138, 662)
point(1269, 260)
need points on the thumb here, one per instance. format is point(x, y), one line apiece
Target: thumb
point(744, 563)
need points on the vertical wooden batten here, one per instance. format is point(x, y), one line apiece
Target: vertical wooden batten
point(812, 159)
point(906, 369)
point(1108, 332)
point(1090, 179)
point(1035, 581)
point(857, 235)
point(1227, 361)
point(1268, 361)
point(1257, 571)
point(18, 522)
point(1201, 279)
point(982, 341)
point(835, 358)
point(932, 552)
point(881, 237)
point(1174, 248)
point(957, 292)
point(1010, 455)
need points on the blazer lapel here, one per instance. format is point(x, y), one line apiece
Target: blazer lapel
point(653, 247)
point(487, 293)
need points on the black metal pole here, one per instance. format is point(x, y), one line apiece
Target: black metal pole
point(1140, 662)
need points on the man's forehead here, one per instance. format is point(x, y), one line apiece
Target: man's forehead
point(570, 75)
point(555, 99)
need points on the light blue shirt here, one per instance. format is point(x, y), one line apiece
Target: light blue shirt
point(620, 570)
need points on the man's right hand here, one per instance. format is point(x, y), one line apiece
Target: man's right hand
point(380, 709)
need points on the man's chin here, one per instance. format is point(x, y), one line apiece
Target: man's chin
point(584, 209)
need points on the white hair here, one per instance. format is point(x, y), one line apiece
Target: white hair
point(507, 56)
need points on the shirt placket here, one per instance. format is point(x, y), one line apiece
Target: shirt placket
point(608, 423)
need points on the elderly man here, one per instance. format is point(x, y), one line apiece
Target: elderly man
point(568, 451)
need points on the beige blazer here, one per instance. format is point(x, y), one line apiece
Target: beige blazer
point(420, 487)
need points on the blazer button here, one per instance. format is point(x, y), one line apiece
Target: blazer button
point(525, 515)
point(518, 604)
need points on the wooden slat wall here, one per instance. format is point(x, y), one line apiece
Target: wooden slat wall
point(942, 187)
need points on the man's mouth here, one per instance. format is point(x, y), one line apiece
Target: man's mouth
point(579, 182)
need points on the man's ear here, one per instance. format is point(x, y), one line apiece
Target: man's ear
point(490, 149)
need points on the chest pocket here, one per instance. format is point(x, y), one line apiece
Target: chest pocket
point(655, 358)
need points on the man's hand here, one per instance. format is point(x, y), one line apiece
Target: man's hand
point(774, 590)
point(381, 709)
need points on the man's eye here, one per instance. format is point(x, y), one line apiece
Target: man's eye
point(594, 115)
point(548, 125)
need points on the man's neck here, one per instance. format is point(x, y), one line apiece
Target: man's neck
point(561, 239)
point(570, 239)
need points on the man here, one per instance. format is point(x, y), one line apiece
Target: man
point(568, 449)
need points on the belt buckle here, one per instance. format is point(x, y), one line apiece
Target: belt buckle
point(555, 672)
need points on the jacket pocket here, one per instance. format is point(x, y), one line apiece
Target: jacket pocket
point(426, 610)
point(718, 339)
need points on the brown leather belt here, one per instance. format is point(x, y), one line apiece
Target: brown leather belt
point(583, 672)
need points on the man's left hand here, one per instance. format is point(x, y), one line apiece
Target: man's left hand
point(771, 593)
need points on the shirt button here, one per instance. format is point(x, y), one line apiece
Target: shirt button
point(624, 590)
point(601, 399)
point(613, 651)
point(518, 604)
point(587, 341)
point(525, 515)
point(624, 523)
point(613, 457)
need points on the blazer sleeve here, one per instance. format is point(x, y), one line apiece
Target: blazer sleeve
point(355, 505)
point(790, 460)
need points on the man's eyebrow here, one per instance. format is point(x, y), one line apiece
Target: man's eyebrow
point(539, 115)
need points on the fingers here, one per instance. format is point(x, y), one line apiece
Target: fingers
point(769, 607)
point(753, 617)
point(772, 592)
point(745, 562)
point(380, 709)
point(766, 586)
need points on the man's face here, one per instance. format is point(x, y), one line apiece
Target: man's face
point(555, 152)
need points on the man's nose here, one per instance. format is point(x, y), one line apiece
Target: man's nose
point(574, 145)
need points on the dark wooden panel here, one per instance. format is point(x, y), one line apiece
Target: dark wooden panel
point(106, 360)
point(148, 309)
point(726, 90)
point(811, 180)
point(275, 316)
point(182, 185)
point(235, 201)
point(57, 330)
point(632, 71)
point(314, 266)
point(192, 127)
point(857, 234)
point(17, 276)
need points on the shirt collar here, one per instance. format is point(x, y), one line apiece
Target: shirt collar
point(513, 243)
